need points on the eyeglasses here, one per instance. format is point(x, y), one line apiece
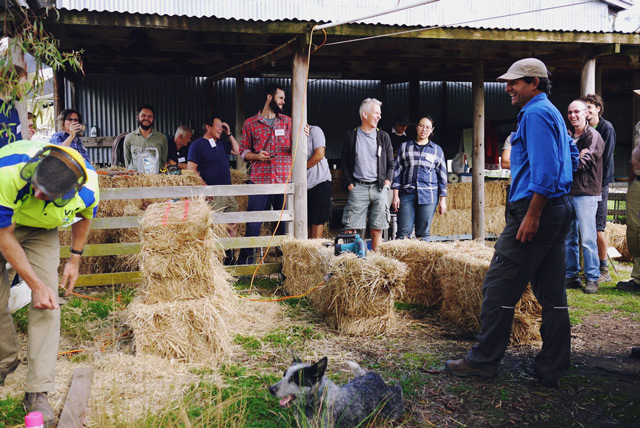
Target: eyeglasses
point(424, 127)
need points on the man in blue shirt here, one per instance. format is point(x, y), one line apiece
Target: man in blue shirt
point(531, 247)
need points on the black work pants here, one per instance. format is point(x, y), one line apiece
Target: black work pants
point(540, 262)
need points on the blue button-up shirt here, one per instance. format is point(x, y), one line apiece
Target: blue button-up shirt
point(59, 137)
point(421, 168)
point(543, 154)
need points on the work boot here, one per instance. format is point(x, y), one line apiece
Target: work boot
point(7, 370)
point(605, 276)
point(572, 283)
point(630, 285)
point(463, 368)
point(546, 382)
point(591, 287)
point(38, 402)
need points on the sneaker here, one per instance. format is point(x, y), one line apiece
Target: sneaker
point(605, 276)
point(463, 368)
point(591, 287)
point(38, 402)
point(7, 370)
point(572, 283)
point(630, 285)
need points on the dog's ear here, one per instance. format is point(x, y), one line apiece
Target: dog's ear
point(320, 367)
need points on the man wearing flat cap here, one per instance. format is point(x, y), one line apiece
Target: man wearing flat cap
point(531, 247)
point(398, 133)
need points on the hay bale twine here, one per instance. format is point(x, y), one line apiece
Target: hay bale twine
point(617, 237)
point(359, 297)
point(421, 287)
point(305, 262)
point(187, 330)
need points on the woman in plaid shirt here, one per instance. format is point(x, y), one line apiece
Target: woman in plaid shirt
point(419, 182)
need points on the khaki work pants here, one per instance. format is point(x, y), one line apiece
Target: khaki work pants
point(42, 247)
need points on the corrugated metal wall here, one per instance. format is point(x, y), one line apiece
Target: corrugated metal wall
point(522, 14)
point(109, 102)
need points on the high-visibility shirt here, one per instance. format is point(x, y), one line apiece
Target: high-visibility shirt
point(17, 202)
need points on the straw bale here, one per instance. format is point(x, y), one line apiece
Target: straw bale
point(459, 194)
point(617, 237)
point(461, 274)
point(458, 221)
point(527, 318)
point(421, 285)
point(125, 387)
point(305, 262)
point(187, 330)
point(361, 289)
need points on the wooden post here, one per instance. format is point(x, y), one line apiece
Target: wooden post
point(58, 93)
point(477, 179)
point(588, 79)
point(299, 119)
point(17, 58)
point(240, 117)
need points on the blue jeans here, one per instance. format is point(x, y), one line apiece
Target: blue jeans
point(583, 225)
point(411, 213)
point(260, 203)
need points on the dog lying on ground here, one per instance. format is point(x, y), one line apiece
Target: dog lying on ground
point(326, 404)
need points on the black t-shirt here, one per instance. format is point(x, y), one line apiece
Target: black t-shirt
point(178, 156)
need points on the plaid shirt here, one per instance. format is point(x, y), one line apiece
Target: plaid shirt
point(423, 168)
point(258, 135)
point(59, 137)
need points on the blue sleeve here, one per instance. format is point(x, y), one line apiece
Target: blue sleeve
point(543, 151)
point(194, 153)
point(57, 138)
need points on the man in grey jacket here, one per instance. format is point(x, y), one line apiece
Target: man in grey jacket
point(367, 167)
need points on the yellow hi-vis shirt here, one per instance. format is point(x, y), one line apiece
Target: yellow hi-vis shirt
point(19, 206)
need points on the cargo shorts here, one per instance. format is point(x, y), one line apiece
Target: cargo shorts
point(363, 199)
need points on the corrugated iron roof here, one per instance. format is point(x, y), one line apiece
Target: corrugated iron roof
point(541, 15)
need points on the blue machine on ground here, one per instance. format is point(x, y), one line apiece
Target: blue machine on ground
point(351, 243)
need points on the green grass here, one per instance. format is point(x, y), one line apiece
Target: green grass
point(607, 299)
point(11, 412)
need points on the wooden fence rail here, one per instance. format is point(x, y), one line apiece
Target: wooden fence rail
point(172, 192)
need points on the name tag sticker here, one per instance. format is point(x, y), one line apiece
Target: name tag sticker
point(182, 160)
point(213, 143)
point(379, 150)
point(279, 132)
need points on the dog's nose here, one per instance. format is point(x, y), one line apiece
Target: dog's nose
point(272, 390)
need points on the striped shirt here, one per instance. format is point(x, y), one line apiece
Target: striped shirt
point(422, 169)
point(59, 137)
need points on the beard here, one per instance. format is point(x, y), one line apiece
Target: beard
point(145, 127)
point(275, 107)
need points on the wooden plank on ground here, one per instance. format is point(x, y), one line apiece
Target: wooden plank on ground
point(75, 406)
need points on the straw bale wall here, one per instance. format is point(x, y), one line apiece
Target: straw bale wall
point(617, 237)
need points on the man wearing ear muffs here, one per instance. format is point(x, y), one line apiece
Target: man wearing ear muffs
point(42, 186)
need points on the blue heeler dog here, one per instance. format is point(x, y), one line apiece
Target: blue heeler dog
point(325, 404)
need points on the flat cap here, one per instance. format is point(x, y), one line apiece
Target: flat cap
point(527, 67)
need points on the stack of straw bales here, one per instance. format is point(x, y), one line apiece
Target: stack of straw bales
point(358, 297)
point(617, 237)
point(185, 297)
point(421, 285)
point(457, 219)
point(449, 278)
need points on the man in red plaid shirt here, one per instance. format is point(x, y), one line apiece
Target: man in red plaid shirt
point(266, 143)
